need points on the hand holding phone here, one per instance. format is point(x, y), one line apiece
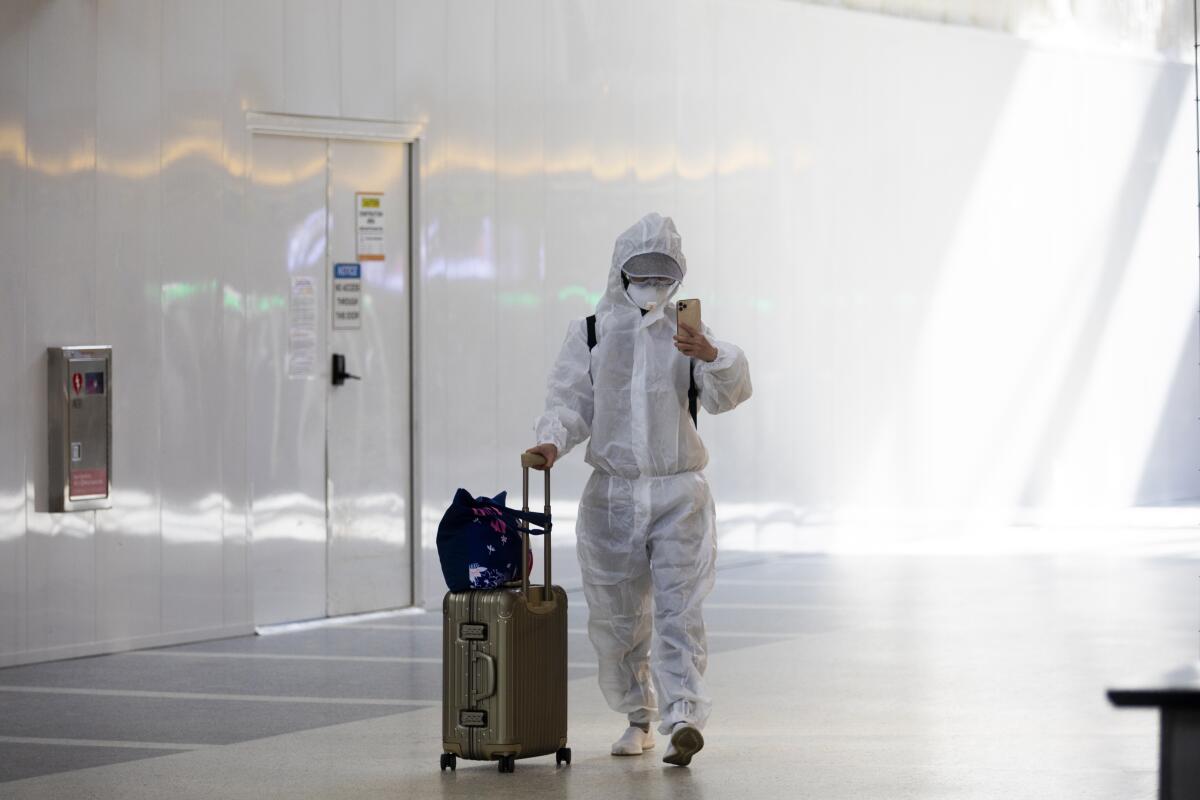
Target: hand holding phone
point(689, 336)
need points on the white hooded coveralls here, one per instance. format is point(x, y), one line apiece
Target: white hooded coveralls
point(646, 520)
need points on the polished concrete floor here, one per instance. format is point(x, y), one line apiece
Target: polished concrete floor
point(832, 677)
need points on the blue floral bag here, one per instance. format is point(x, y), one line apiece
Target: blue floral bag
point(479, 542)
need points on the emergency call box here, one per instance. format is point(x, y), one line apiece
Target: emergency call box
point(79, 417)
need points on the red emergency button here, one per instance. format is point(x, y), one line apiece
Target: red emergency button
point(77, 382)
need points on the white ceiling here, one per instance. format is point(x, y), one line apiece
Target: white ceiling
point(1149, 27)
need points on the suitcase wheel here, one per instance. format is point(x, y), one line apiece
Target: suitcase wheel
point(508, 764)
point(449, 760)
point(563, 755)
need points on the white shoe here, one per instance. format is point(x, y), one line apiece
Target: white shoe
point(686, 741)
point(633, 742)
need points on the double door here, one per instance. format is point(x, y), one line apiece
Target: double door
point(328, 376)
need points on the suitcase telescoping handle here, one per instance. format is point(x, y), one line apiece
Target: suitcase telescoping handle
point(534, 460)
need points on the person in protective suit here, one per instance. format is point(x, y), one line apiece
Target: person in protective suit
point(646, 524)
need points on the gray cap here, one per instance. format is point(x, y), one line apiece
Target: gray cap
point(653, 265)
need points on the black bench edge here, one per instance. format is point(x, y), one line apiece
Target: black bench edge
point(1154, 698)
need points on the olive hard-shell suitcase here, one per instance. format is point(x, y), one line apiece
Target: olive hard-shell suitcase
point(504, 665)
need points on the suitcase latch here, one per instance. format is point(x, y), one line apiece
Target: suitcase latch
point(472, 631)
point(472, 719)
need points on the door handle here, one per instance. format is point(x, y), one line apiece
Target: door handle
point(339, 370)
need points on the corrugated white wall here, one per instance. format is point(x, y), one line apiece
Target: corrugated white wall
point(962, 265)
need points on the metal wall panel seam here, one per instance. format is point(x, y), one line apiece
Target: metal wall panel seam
point(220, 337)
point(156, 255)
point(497, 455)
point(329, 300)
point(94, 306)
point(414, 270)
point(239, 185)
point(247, 475)
point(162, 355)
point(28, 488)
point(341, 110)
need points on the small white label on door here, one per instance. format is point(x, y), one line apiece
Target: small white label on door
point(302, 328)
point(368, 225)
point(77, 451)
point(347, 297)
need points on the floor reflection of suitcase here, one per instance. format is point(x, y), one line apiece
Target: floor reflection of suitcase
point(504, 665)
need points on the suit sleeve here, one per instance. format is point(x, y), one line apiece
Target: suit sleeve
point(724, 383)
point(567, 420)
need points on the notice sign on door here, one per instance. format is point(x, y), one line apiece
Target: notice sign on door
point(302, 328)
point(368, 224)
point(347, 297)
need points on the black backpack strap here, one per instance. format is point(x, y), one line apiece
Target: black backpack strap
point(693, 392)
point(591, 334)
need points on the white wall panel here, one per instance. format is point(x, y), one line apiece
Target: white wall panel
point(520, 237)
point(654, 92)
point(14, 257)
point(466, 235)
point(368, 59)
point(311, 57)
point(252, 79)
point(60, 307)
point(421, 97)
point(589, 184)
point(521, 49)
point(945, 160)
point(756, 266)
point(988, 343)
point(695, 117)
point(745, 223)
point(1146, 422)
point(420, 55)
point(695, 155)
point(128, 315)
point(193, 378)
point(1100, 290)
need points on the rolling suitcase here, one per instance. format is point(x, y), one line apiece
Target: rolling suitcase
point(504, 665)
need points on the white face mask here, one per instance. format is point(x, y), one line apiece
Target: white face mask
point(648, 296)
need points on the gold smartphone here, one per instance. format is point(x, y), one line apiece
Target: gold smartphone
point(688, 312)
